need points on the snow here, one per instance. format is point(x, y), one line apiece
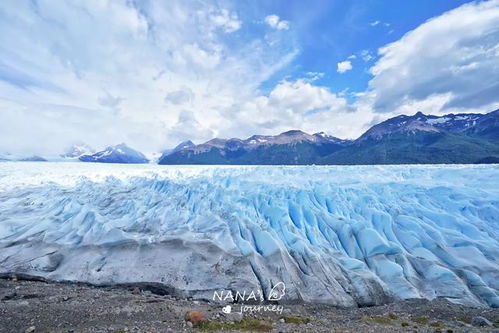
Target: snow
point(257, 141)
point(437, 120)
point(343, 235)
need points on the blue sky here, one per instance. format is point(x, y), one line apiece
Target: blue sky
point(332, 31)
point(153, 73)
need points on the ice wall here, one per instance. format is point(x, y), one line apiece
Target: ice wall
point(343, 235)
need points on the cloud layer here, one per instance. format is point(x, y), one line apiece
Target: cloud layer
point(152, 74)
point(275, 22)
point(148, 73)
point(344, 66)
point(449, 63)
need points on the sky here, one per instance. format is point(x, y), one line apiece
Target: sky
point(153, 73)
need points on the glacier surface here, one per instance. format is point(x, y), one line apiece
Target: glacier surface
point(343, 235)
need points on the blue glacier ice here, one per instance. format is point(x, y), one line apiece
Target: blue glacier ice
point(343, 235)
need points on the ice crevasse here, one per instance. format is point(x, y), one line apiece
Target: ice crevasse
point(343, 235)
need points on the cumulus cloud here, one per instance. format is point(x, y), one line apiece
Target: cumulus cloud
point(152, 74)
point(344, 66)
point(227, 21)
point(297, 104)
point(449, 63)
point(275, 22)
point(314, 76)
point(143, 72)
point(366, 55)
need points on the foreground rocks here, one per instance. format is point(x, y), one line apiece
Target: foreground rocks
point(31, 306)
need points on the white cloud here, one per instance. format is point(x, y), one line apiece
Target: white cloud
point(377, 22)
point(366, 55)
point(448, 63)
point(344, 66)
point(314, 76)
point(228, 21)
point(181, 96)
point(275, 22)
point(152, 74)
point(145, 73)
point(297, 104)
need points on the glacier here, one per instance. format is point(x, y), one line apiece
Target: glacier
point(341, 235)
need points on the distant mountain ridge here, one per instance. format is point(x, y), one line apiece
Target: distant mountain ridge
point(420, 138)
point(116, 154)
point(417, 139)
point(22, 158)
point(291, 147)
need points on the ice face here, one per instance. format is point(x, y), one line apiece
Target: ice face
point(344, 235)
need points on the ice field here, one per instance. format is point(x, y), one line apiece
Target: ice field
point(343, 235)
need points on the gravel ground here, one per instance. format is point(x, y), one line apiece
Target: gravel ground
point(34, 306)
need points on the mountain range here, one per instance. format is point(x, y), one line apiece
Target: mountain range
point(292, 147)
point(416, 139)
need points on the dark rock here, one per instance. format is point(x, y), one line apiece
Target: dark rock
point(480, 322)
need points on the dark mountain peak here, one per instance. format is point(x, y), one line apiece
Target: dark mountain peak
point(399, 124)
point(293, 132)
point(208, 145)
point(293, 136)
point(417, 138)
point(419, 122)
point(485, 126)
point(323, 137)
point(259, 139)
point(187, 143)
point(216, 142)
point(290, 147)
point(184, 145)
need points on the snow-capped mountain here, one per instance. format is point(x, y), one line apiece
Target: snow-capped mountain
point(456, 123)
point(183, 145)
point(486, 126)
point(291, 147)
point(77, 150)
point(338, 235)
point(420, 138)
point(116, 154)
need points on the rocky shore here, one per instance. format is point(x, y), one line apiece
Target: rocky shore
point(37, 306)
